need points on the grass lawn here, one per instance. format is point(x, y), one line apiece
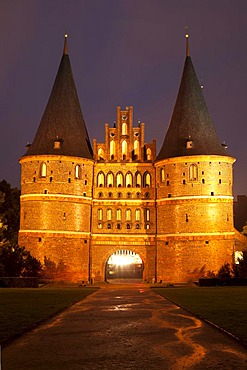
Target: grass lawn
point(224, 306)
point(20, 308)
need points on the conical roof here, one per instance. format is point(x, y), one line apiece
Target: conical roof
point(191, 130)
point(62, 130)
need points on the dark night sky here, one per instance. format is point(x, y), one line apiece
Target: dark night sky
point(123, 52)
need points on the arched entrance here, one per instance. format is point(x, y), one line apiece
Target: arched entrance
point(124, 264)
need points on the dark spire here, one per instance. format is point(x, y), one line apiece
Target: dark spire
point(191, 130)
point(62, 129)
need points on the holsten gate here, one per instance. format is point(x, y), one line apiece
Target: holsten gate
point(167, 217)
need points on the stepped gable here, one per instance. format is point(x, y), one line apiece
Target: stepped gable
point(191, 130)
point(62, 130)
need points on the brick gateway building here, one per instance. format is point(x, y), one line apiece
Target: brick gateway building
point(171, 214)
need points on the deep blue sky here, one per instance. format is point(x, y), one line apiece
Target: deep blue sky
point(123, 52)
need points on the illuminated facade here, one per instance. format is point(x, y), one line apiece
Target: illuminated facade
point(85, 207)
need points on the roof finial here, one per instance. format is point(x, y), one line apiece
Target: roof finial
point(187, 41)
point(65, 48)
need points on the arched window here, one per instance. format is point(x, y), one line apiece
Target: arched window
point(128, 215)
point(149, 154)
point(138, 215)
point(101, 153)
point(119, 215)
point(124, 128)
point(112, 149)
point(147, 179)
point(119, 179)
point(110, 180)
point(119, 195)
point(100, 195)
point(129, 180)
point(43, 169)
point(147, 214)
point(128, 195)
point(193, 172)
point(138, 179)
point(124, 149)
point(162, 175)
point(100, 214)
point(77, 171)
point(109, 214)
point(101, 179)
point(136, 149)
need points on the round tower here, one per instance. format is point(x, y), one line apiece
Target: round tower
point(195, 232)
point(56, 184)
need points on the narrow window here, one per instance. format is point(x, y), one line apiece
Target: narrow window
point(77, 171)
point(186, 218)
point(162, 175)
point(50, 179)
point(109, 214)
point(124, 149)
point(119, 215)
point(119, 179)
point(136, 149)
point(147, 214)
point(168, 183)
point(100, 154)
point(69, 180)
point(128, 215)
point(138, 179)
point(43, 169)
point(193, 172)
point(128, 226)
point(147, 179)
point(112, 149)
point(118, 226)
point(108, 226)
point(124, 128)
point(100, 214)
point(149, 154)
point(110, 179)
point(184, 182)
point(129, 180)
point(101, 179)
point(138, 215)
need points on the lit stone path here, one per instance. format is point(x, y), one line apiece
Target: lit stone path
point(128, 327)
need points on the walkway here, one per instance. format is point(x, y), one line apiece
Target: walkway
point(124, 328)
